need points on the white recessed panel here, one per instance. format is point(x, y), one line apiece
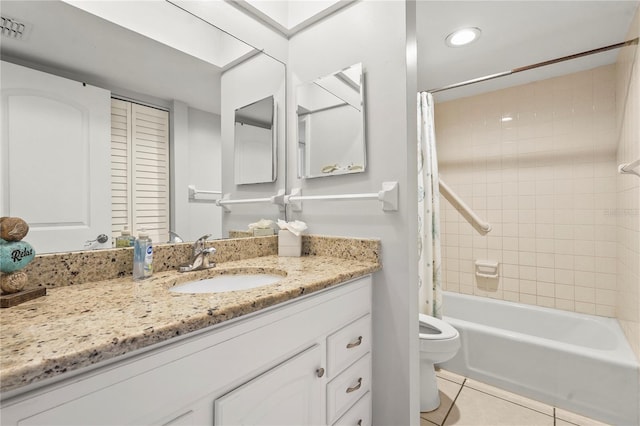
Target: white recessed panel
point(48, 171)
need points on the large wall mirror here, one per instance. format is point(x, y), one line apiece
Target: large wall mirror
point(143, 80)
point(331, 124)
point(254, 142)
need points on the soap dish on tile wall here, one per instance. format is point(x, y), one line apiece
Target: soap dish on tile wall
point(487, 269)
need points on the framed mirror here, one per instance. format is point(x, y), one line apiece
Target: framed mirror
point(135, 61)
point(331, 124)
point(254, 142)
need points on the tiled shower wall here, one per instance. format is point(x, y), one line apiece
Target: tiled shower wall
point(538, 161)
point(628, 201)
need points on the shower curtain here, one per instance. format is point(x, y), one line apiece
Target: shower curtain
point(429, 257)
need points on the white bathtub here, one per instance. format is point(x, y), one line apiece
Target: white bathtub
point(578, 362)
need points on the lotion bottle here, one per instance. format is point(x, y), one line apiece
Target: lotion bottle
point(142, 257)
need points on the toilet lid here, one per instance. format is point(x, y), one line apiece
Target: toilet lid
point(436, 329)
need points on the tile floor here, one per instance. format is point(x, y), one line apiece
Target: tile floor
point(466, 401)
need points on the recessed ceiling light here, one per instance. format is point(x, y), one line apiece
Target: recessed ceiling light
point(462, 37)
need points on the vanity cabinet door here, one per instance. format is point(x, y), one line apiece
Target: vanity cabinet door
point(288, 394)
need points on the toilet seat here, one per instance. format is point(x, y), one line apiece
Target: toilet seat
point(439, 342)
point(436, 329)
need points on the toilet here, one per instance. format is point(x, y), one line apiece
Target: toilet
point(439, 342)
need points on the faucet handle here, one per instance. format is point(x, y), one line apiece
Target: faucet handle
point(206, 262)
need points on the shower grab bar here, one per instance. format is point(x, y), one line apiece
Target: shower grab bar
point(275, 199)
point(388, 195)
point(193, 192)
point(627, 168)
point(479, 225)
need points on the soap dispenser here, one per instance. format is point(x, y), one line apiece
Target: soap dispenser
point(125, 239)
point(142, 256)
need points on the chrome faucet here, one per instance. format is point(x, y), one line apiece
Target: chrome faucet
point(200, 256)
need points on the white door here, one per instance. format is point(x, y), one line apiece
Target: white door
point(289, 394)
point(55, 157)
point(140, 170)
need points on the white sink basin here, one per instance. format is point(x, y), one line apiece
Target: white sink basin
point(223, 283)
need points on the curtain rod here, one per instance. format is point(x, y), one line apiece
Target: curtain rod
point(537, 65)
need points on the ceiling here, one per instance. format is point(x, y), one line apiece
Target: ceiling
point(514, 34)
point(66, 40)
point(289, 17)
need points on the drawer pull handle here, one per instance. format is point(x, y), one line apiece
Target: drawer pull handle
point(320, 372)
point(355, 343)
point(356, 387)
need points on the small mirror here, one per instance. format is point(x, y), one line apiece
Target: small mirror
point(331, 137)
point(254, 142)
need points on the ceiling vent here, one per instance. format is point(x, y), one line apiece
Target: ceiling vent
point(11, 28)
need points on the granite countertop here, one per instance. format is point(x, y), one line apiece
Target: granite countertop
point(80, 325)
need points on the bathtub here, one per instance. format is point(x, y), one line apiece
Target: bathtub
point(582, 363)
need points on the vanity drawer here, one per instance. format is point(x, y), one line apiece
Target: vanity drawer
point(358, 415)
point(348, 387)
point(347, 345)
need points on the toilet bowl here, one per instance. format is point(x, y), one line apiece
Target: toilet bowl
point(439, 342)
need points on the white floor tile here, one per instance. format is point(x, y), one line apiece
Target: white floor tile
point(511, 397)
point(471, 403)
point(448, 393)
point(475, 408)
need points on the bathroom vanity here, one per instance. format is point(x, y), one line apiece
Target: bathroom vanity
point(295, 352)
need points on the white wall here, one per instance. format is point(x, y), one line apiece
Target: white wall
point(255, 79)
point(205, 163)
point(374, 33)
point(195, 160)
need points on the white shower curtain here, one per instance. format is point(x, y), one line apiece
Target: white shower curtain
point(429, 257)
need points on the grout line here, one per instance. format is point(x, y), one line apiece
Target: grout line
point(444, 420)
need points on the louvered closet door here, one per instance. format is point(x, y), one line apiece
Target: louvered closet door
point(121, 142)
point(151, 171)
point(140, 181)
